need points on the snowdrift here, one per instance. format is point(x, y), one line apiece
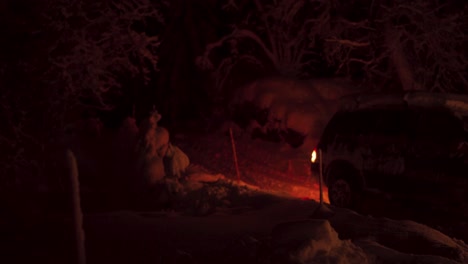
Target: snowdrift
point(348, 237)
point(292, 235)
point(279, 231)
point(290, 108)
point(343, 237)
point(457, 103)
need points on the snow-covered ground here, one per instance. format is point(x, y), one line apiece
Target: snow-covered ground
point(282, 232)
point(222, 221)
point(268, 165)
point(270, 216)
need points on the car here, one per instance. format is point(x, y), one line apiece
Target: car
point(409, 147)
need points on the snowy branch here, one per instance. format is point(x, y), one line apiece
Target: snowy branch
point(90, 48)
point(434, 43)
point(104, 47)
point(348, 42)
point(277, 33)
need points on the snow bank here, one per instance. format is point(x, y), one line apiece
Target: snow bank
point(455, 102)
point(403, 236)
point(204, 177)
point(300, 106)
point(382, 254)
point(348, 237)
point(195, 181)
point(315, 241)
point(303, 118)
point(279, 233)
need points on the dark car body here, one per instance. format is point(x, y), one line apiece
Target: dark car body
point(409, 146)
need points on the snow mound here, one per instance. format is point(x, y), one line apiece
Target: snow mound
point(404, 236)
point(283, 105)
point(301, 90)
point(348, 237)
point(315, 241)
point(204, 177)
point(385, 255)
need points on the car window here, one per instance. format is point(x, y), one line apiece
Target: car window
point(391, 123)
point(437, 125)
point(435, 131)
point(347, 124)
point(366, 126)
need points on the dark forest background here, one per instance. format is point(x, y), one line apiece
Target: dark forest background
point(63, 60)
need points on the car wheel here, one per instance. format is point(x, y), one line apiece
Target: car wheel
point(340, 193)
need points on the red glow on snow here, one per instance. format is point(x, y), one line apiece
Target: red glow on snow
point(306, 191)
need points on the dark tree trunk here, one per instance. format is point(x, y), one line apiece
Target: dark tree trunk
point(179, 92)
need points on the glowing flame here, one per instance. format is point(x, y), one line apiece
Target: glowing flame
point(313, 157)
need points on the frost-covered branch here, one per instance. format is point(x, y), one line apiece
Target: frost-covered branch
point(412, 45)
point(90, 49)
point(100, 44)
point(275, 35)
point(348, 42)
point(434, 42)
point(242, 34)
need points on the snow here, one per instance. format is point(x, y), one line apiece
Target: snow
point(213, 218)
point(318, 243)
point(285, 230)
point(225, 221)
point(401, 235)
point(457, 103)
point(301, 106)
point(458, 106)
point(201, 177)
point(178, 161)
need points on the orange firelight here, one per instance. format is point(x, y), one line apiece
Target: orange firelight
point(313, 157)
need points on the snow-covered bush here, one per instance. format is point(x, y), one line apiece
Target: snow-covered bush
point(151, 149)
point(177, 161)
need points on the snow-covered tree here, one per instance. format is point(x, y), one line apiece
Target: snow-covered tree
point(100, 44)
point(415, 45)
point(409, 45)
point(272, 37)
point(60, 58)
point(432, 39)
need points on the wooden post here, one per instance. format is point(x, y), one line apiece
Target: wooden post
point(77, 213)
point(321, 211)
point(234, 154)
point(320, 177)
